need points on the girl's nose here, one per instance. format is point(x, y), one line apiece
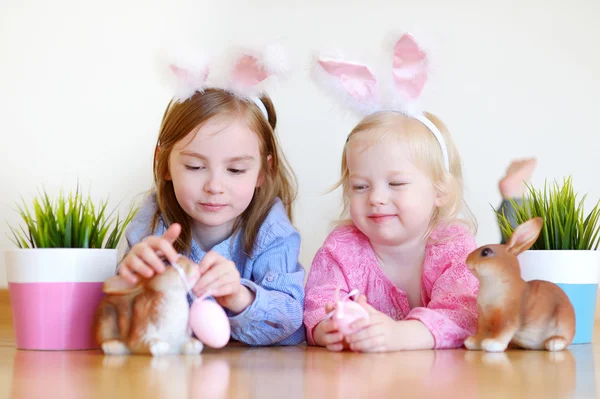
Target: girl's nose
point(378, 197)
point(213, 186)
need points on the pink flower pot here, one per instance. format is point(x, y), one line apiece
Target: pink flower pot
point(54, 294)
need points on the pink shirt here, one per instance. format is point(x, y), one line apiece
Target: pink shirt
point(448, 289)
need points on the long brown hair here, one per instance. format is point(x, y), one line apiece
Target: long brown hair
point(179, 119)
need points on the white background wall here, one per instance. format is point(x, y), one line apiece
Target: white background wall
point(79, 98)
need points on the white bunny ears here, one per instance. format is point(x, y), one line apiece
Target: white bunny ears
point(360, 89)
point(244, 73)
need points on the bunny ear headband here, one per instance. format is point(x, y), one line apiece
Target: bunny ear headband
point(243, 74)
point(356, 84)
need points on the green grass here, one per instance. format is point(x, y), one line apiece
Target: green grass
point(566, 227)
point(68, 222)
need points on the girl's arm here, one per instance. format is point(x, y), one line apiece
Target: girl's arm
point(451, 314)
point(413, 335)
point(447, 320)
point(324, 278)
point(275, 315)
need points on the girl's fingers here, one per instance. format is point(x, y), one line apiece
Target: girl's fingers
point(138, 266)
point(224, 289)
point(335, 347)
point(210, 260)
point(127, 274)
point(172, 233)
point(333, 338)
point(162, 247)
point(364, 334)
point(360, 324)
point(329, 325)
point(151, 259)
point(368, 345)
point(217, 273)
point(167, 250)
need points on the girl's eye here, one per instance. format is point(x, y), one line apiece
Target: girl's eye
point(189, 167)
point(237, 171)
point(358, 187)
point(396, 184)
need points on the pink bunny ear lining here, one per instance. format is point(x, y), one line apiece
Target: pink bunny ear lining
point(357, 79)
point(248, 72)
point(197, 78)
point(407, 51)
point(337, 68)
point(412, 87)
point(409, 68)
point(179, 72)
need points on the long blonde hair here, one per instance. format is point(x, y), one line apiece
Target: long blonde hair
point(425, 152)
point(179, 119)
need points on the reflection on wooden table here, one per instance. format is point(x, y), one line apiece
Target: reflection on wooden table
point(291, 372)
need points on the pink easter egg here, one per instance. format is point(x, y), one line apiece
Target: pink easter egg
point(209, 323)
point(347, 313)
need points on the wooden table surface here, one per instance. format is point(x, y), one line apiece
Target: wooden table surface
point(296, 372)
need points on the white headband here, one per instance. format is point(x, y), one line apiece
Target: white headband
point(260, 106)
point(438, 135)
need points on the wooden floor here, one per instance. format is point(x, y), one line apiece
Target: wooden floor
point(297, 372)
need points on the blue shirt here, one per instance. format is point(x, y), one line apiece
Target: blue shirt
point(272, 272)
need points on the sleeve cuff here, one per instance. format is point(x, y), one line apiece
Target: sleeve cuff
point(254, 312)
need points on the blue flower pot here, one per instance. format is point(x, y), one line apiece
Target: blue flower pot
point(577, 273)
point(583, 298)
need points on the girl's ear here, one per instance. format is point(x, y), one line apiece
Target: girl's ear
point(261, 176)
point(441, 199)
point(442, 193)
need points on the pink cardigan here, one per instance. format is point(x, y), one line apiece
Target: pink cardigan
point(448, 289)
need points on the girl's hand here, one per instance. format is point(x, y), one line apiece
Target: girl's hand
point(375, 334)
point(326, 333)
point(220, 278)
point(144, 258)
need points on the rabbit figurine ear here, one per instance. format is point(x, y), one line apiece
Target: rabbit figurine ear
point(524, 236)
point(117, 285)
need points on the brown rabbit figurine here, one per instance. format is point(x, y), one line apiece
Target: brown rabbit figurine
point(531, 315)
point(150, 317)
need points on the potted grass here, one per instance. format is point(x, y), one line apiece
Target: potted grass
point(565, 253)
point(66, 249)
